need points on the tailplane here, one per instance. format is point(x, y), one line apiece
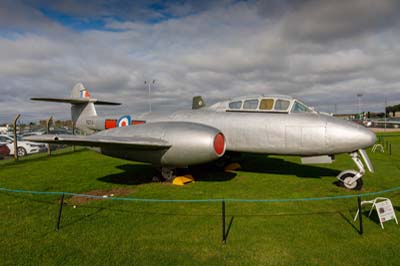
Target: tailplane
point(82, 105)
point(79, 95)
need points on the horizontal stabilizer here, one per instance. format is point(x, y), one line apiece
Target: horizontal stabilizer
point(75, 101)
point(103, 141)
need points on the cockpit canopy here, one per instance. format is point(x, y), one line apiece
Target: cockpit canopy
point(269, 104)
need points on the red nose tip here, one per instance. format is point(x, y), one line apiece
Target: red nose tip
point(219, 144)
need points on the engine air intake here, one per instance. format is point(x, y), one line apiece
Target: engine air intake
point(219, 144)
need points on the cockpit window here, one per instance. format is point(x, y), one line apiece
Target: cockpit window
point(235, 105)
point(266, 104)
point(299, 108)
point(250, 104)
point(282, 105)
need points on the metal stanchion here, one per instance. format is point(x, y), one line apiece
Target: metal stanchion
point(223, 223)
point(360, 215)
point(73, 133)
point(48, 130)
point(15, 137)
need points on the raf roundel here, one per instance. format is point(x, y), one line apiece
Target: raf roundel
point(124, 121)
point(85, 94)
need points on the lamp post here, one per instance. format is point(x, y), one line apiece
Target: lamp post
point(359, 95)
point(385, 112)
point(149, 86)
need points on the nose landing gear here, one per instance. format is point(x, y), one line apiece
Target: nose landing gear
point(351, 179)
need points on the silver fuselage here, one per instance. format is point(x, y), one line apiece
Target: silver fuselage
point(302, 134)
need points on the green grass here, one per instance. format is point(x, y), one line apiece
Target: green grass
point(108, 232)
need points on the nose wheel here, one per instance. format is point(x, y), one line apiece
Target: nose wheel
point(351, 179)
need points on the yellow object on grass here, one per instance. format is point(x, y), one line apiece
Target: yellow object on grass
point(182, 180)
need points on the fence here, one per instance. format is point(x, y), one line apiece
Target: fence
point(222, 201)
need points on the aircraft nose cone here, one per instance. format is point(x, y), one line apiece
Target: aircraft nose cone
point(345, 136)
point(367, 137)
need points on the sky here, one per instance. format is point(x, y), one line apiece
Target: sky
point(323, 52)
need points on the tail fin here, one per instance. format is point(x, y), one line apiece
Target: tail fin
point(85, 109)
point(82, 103)
point(79, 91)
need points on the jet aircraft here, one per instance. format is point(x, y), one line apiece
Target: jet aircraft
point(277, 124)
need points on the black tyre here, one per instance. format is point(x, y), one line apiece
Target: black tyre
point(21, 151)
point(355, 185)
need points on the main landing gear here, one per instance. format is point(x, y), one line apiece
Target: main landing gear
point(351, 179)
point(168, 173)
point(165, 174)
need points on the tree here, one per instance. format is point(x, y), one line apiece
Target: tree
point(392, 109)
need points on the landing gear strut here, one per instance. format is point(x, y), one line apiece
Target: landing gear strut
point(351, 179)
point(168, 173)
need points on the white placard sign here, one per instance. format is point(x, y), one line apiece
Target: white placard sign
point(385, 211)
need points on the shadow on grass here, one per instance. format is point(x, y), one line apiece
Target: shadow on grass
point(81, 218)
point(373, 217)
point(349, 221)
point(136, 174)
point(132, 174)
point(269, 165)
point(229, 228)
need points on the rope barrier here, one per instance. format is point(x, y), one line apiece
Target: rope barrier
point(202, 200)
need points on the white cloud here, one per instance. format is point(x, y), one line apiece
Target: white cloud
point(219, 51)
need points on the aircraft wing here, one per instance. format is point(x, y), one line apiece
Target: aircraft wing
point(103, 141)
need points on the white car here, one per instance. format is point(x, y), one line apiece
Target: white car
point(24, 147)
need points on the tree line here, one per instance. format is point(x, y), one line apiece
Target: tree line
point(392, 109)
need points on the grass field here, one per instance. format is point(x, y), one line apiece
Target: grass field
point(105, 232)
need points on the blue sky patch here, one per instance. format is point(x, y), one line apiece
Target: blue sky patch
point(74, 22)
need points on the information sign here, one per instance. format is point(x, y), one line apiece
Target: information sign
point(383, 207)
point(385, 211)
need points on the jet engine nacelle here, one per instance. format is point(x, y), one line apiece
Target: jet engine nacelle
point(189, 143)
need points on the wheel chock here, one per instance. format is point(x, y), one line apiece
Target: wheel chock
point(232, 167)
point(182, 180)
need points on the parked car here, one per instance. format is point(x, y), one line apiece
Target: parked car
point(4, 151)
point(33, 133)
point(24, 147)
